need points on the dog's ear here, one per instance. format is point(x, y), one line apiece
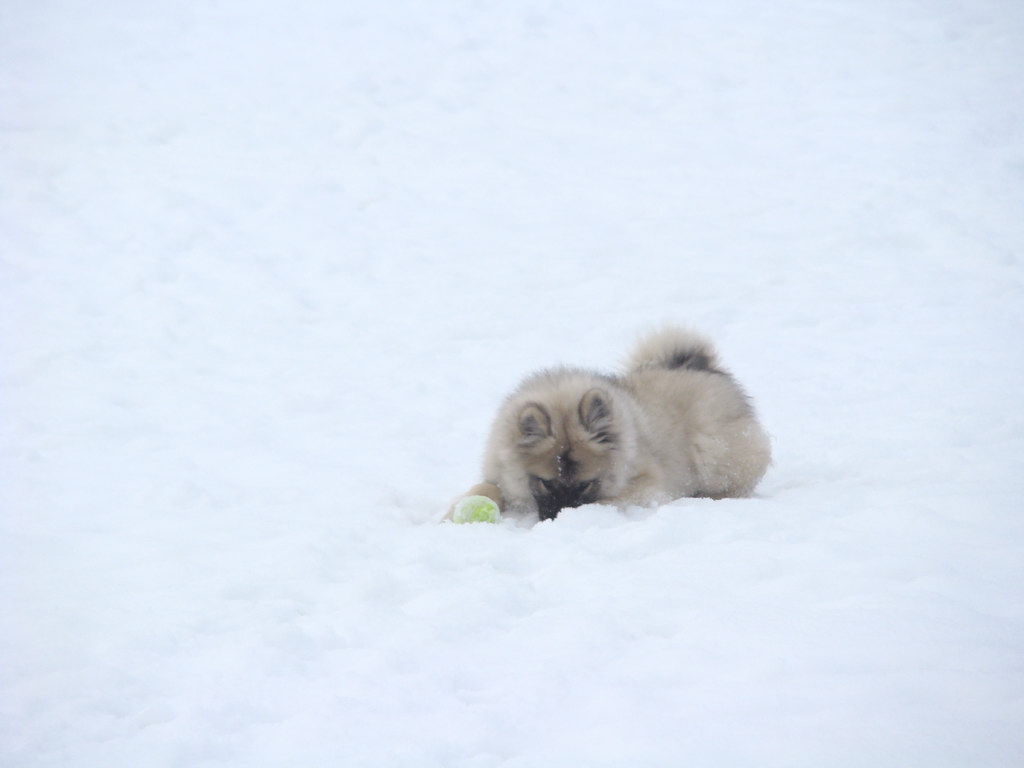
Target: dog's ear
point(534, 424)
point(595, 414)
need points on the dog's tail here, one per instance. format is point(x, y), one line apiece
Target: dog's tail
point(674, 348)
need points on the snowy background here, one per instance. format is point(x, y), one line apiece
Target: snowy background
point(269, 268)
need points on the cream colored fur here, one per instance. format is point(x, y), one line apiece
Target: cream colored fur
point(674, 425)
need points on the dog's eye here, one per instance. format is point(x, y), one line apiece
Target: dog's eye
point(547, 485)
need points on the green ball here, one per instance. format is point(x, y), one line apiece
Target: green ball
point(476, 509)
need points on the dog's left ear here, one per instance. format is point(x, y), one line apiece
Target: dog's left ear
point(595, 413)
point(534, 424)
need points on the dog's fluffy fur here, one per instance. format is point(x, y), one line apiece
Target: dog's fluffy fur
point(675, 424)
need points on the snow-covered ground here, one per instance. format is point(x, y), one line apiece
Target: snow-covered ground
point(269, 267)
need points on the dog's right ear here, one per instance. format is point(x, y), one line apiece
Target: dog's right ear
point(595, 413)
point(596, 417)
point(534, 424)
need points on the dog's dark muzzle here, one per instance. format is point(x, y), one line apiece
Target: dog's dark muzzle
point(550, 504)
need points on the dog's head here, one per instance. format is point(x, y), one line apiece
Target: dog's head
point(569, 450)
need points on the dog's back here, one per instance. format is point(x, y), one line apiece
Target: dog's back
point(701, 426)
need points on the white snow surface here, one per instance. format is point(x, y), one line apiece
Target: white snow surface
point(269, 268)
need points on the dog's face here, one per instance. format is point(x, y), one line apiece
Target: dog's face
point(568, 451)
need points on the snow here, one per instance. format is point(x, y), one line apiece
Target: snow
point(268, 269)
